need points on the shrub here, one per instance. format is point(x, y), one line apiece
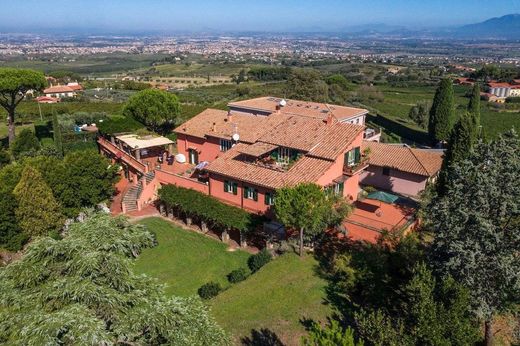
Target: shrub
point(238, 275)
point(118, 125)
point(257, 261)
point(207, 208)
point(25, 142)
point(209, 290)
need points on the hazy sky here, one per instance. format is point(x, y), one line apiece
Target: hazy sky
point(237, 15)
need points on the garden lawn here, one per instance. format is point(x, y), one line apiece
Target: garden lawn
point(278, 297)
point(185, 260)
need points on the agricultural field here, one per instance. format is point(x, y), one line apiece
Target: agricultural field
point(89, 65)
point(397, 102)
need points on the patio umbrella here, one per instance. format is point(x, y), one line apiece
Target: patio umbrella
point(383, 196)
point(202, 165)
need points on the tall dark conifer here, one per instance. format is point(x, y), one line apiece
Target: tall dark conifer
point(460, 144)
point(474, 108)
point(56, 130)
point(442, 113)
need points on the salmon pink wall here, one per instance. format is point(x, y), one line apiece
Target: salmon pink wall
point(149, 193)
point(217, 190)
point(351, 185)
point(209, 149)
point(169, 178)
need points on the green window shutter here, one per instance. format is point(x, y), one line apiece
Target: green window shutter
point(357, 152)
point(235, 188)
point(226, 186)
point(267, 195)
point(245, 191)
point(341, 186)
point(255, 195)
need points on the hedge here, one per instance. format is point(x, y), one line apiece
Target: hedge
point(119, 125)
point(208, 209)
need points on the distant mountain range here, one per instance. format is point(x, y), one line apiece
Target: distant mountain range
point(505, 27)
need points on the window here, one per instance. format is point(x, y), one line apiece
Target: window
point(230, 187)
point(225, 145)
point(386, 171)
point(338, 189)
point(269, 198)
point(284, 154)
point(353, 157)
point(250, 193)
point(193, 156)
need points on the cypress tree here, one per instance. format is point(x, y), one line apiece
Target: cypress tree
point(56, 131)
point(462, 140)
point(442, 113)
point(37, 213)
point(474, 107)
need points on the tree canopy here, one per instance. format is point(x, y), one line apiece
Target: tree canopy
point(154, 108)
point(303, 207)
point(442, 112)
point(26, 143)
point(14, 84)
point(37, 212)
point(307, 84)
point(476, 225)
point(81, 290)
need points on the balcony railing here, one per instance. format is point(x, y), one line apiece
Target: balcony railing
point(356, 168)
point(129, 159)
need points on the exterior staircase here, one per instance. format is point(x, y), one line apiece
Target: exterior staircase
point(133, 194)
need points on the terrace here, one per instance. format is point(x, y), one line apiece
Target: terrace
point(270, 156)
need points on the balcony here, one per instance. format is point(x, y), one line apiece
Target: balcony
point(356, 168)
point(372, 135)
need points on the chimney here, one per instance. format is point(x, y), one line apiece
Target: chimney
point(229, 116)
point(330, 119)
point(214, 127)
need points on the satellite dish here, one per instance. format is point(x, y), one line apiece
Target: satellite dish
point(236, 137)
point(283, 103)
point(180, 158)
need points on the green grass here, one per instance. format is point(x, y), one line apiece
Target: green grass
point(278, 297)
point(185, 260)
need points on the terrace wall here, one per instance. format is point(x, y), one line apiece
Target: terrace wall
point(174, 179)
point(399, 182)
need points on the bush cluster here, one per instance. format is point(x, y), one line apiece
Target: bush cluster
point(207, 208)
point(257, 261)
point(238, 275)
point(209, 290)
point(118, 125)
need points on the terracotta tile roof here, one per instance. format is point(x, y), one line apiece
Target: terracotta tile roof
point(257, 149)
point(216, 123)
point(313, 136)
point(58, 89)
point(417, 161)
point(302, 108)
point(498, 85)
point(231, 164)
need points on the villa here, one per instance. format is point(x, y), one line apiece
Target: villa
point(243, 155)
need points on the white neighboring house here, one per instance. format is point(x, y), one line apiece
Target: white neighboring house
point(59, 91)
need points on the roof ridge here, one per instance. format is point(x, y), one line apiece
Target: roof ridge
point(415, 156)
